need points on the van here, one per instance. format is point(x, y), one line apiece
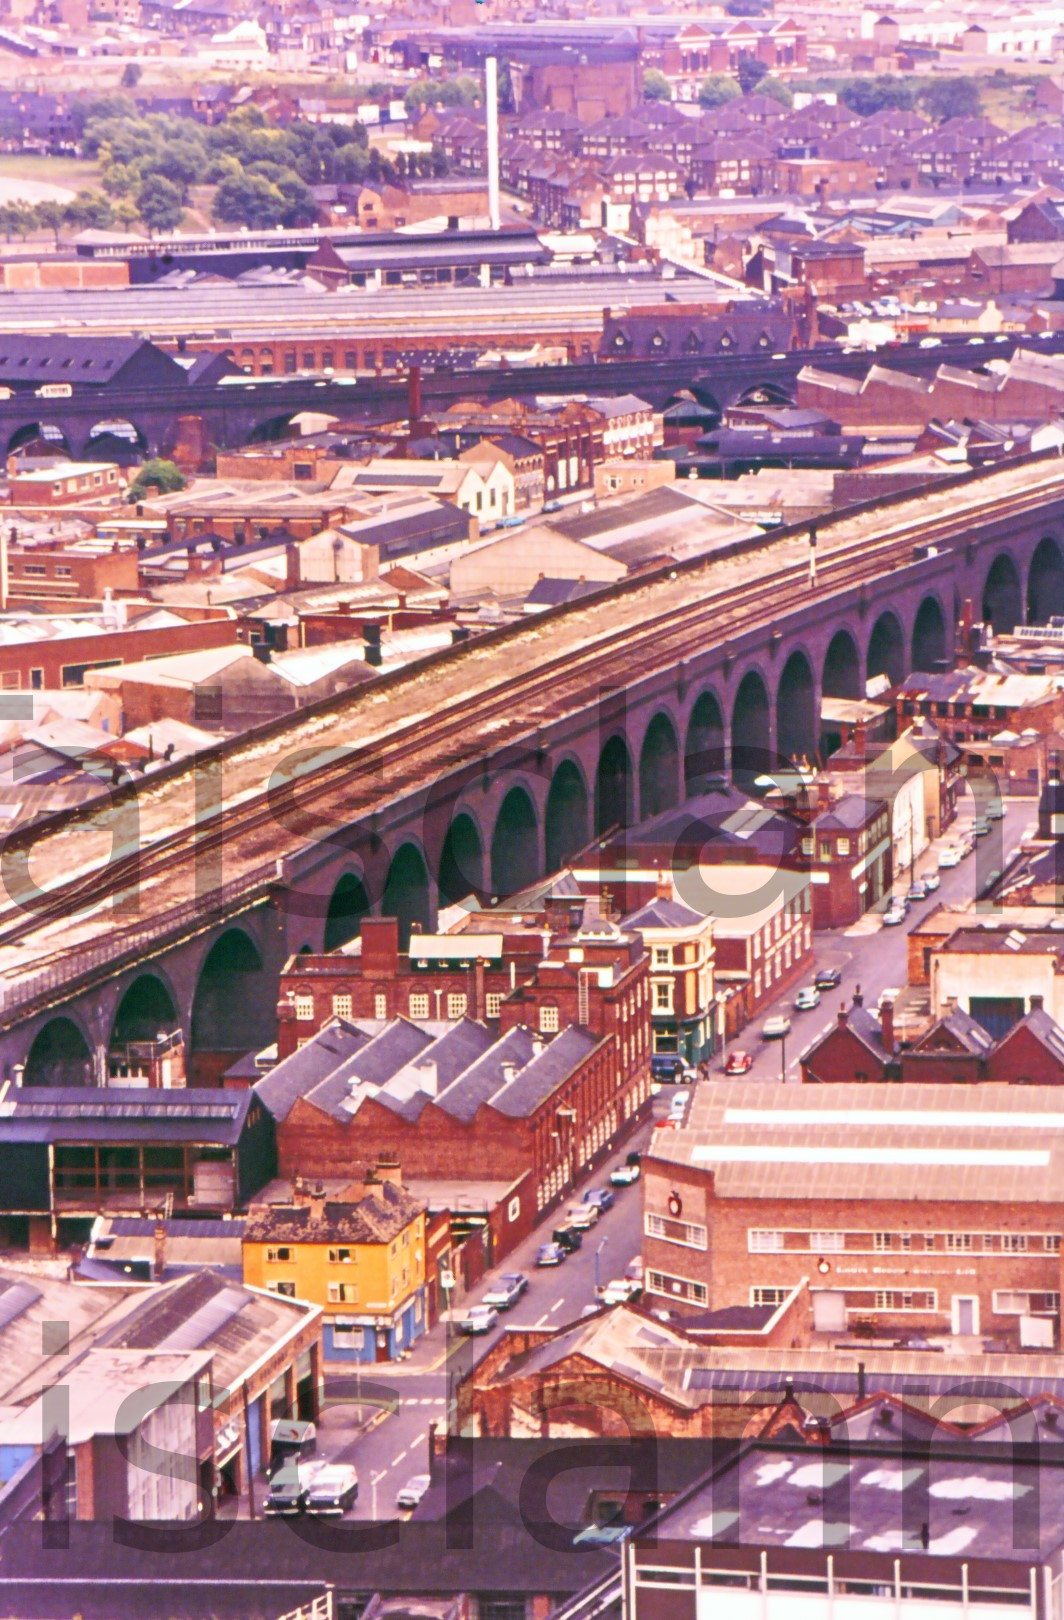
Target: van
point(288, 1491)
point(333, 1488)
point(291, 1441)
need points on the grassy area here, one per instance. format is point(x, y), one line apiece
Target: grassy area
point(79, 175)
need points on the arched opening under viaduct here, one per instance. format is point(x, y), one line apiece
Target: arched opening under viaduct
point(796, 716)
point(348, 904)
point(46, 438)
point(269, 431)
point(233, 1009)
point(751, 732)
point(613, 786)
point(461, 871)
point(406, 893)
point(116, 439)
point(514, 845)
point(1002, 596)
point(841, 678)
point(1045, 582)
point(886, 649)
point(565, 821)
point(704, 757)
point(929, 636)
point(145, 1011)
point(60, 1056)
point(659, 767)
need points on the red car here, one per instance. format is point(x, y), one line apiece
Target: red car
point(738, 1063)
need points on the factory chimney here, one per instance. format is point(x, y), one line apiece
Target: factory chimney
point(491, 104)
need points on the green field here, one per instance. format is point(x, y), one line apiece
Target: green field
point(55, 171)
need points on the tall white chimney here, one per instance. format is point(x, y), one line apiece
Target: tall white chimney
point(491, 98)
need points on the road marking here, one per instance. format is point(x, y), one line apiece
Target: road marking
point(397, 1460)
point(558, 1303)
point(541, 1320)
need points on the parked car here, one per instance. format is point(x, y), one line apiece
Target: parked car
point(582, 1216)
point(917, 890)
point(981, 826)
point(827, 978)
point(995, 810)
point(635, 1157)
point(678, 1109)
point(807, 998)
point(890, 994)
point(624, 1175)
point(550, 1254)
point(776, 1028)
point(333, 1488)
point(410, 1494)
point(600, 1196)
point(292, 1440)
point(952, 855)
point(666, 1066)
point(478, 1319)
point(931, 881)
point(568, 1238)
point(739, 1062)
point(620, 1291)
point(893, 917)
point(504, 1294)
point(287, 1494)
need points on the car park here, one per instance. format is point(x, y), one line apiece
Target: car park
point(827, 978)
point(739, 1062)
point(506, 1291)
point(550, 1254)
point(600, 1196)
point(624, 1175)
point(776, 1028)
point(478, 1319)
point(333, 1489)
point(952, 855)
point(807, 998)
point(410, 1494)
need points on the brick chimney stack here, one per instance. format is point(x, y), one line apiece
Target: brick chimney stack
point(886, 1018)
point(158, 1269)
point(317, 1204)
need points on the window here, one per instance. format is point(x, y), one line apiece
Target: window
point(419, 1004)
point(687, 1233)
point(660, 1282)
point(549, 1022)
point(346, 1336)
point(1013, 1242)
point(343, 1293)
point(304, 1008)
point(1052, 1242)
point(768, 1296)
point(456, 1004)
point(827, 1242)
point(958, 1242)
point(274, 1255)
point(662, 956)
point(288, 1289)
point(380, 1005)
point(342, 1006)
point(663, 995)
point(881, 1241)
point(760, 1242)
point(341, 1257)
point(843, 846)
point(492, 1003)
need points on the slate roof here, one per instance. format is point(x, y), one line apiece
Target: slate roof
point(545, 1073)
point(377, 1218)
point(311, 1063)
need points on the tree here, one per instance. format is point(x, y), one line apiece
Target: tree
point(131, 74)
point(160, 204)
point(869, 95)
point(777, 90)
point(50, 216)
point(750, 72)
point(251, 200)
point(165, 475)
point(952, 98)
point(90, 211)
point(716, 90)
point(656, 86)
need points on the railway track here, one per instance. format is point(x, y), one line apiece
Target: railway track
point(529, 698)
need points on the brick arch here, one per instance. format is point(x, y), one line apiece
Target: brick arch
point(1002, 594)
point(515, 842)
point(705, 752)
point(659, 765)
point(751, 728)
point(460, 869)
point(567, 813)
point(614, 784)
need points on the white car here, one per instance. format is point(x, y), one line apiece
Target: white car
point(620, 1291)
point(890, 994)
point(479, 1319)
point(775, 1028)
point(412, 1492)
point(952, 855)
point(582, 1216)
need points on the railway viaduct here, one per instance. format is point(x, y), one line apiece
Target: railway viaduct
point(241, 409)
point(483, 769)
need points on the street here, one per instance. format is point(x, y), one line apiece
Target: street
point(401, 1400)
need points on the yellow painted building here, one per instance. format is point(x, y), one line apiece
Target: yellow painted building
point(360, 1257)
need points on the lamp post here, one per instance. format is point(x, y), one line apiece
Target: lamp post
point(598, 1252)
